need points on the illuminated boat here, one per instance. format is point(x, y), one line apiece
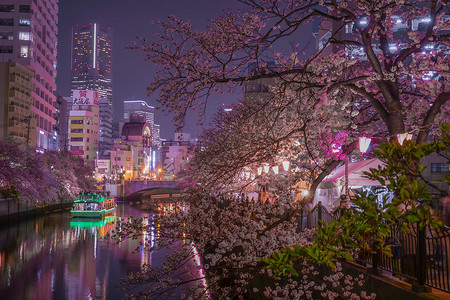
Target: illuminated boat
point(92, 205)
point(101, 227)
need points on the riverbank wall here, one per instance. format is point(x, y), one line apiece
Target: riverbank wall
point(12, 211)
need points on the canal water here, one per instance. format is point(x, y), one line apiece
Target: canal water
point(56, 257)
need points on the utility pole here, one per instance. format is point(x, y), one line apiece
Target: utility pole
point(28, 119)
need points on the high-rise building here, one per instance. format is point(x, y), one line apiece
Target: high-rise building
point(92, 59)
point(141, 108)
point(16, 86)
point(105, 126)
point(28, 34)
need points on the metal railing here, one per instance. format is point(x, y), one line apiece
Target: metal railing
point(421, 255)
point(309, 218)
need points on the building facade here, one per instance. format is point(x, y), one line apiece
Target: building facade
point(83, 130)
point(105, 127)
point(16, 102)
point(141, 108)
point(136, 135)
point(28, 34)
point(62, 115)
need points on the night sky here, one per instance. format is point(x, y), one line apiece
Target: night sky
point(129, 19)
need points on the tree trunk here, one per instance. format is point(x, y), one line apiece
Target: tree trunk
point(395, 125)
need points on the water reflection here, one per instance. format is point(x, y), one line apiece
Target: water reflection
point(55, 257)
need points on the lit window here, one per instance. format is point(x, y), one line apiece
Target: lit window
point(440, 168)
point(25, 36)
point(24, 51)
point(24, 22)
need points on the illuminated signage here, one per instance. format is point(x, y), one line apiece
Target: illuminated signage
point(87, 97)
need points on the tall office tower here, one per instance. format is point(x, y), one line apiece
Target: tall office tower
point(28, 35)
point(141, 108)
point(92, 59)
point(105, 127)
point(157, 136)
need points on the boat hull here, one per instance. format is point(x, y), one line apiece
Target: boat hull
point(98, 214)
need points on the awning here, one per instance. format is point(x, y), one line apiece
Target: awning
point(356, 176)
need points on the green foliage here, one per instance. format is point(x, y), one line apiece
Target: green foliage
point(366, 225)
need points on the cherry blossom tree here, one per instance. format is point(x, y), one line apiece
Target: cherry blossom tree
point(395, 58)
point(37, 179)
point(71, 173)
point(366, 76)
point(271, 130)
point(224, 238)
point(22, 173)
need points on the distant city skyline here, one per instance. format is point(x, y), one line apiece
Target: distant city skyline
point(131, 74)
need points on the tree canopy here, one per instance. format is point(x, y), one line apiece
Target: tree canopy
point(36, 178)
point(390, 54)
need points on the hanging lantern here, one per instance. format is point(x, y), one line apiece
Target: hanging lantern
point(247, 175)
point(364, 143)
point(286, 164)
point(259, 170)
point(266, 168)
point(275, 169)
point(403, 136)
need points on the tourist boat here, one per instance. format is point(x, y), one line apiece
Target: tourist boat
point(98, 226)
point(92, 205)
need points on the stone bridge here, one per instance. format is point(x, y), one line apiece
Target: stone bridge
point(134, 186)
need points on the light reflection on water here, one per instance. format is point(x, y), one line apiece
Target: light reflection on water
point(56, 257)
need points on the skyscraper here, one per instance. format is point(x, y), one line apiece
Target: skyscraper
point(92, 70)
point(92, 59)
point(28, 35)
point(105, 141)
